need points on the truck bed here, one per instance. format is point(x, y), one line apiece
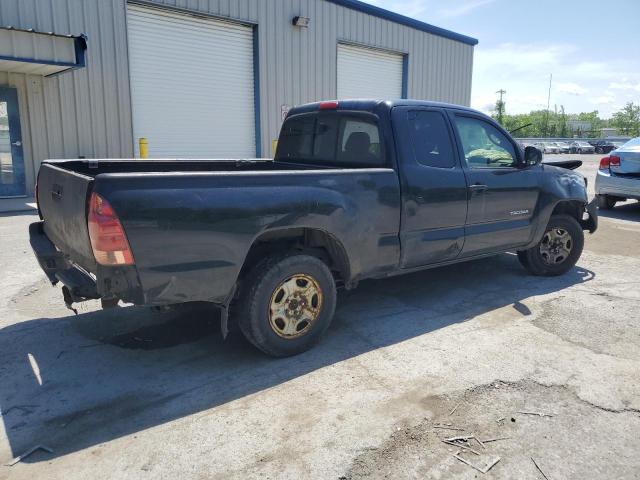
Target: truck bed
point(190, 223)
point(69, 182)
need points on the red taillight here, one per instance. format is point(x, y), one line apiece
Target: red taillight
point(328, 105)
point(108, 240)
point(614, 161)
point(604, 163)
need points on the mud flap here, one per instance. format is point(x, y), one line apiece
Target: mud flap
point(224, 313)
point(590, 223)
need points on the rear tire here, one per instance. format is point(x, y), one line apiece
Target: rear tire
point(605, 202)
point(286, 304)
point(558, 250)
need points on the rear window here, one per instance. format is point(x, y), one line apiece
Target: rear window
point(332, 139)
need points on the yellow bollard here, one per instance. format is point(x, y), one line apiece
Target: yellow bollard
point(144, 147)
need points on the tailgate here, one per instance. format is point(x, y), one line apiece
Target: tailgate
point(62, 198)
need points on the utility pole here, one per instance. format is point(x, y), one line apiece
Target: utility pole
point(546, 121)
point(500, 105)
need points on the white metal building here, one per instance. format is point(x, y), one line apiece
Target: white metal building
point(199, 78)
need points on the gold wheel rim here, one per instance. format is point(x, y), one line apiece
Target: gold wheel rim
point(295, 306)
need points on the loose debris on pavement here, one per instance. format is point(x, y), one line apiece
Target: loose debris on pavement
point(539, 469)
point(481, 461)
point(19, 458)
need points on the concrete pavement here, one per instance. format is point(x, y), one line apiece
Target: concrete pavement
point(135, 393)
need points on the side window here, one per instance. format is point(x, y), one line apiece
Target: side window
point(484, 145)
point(430, 139)
point(359, 143)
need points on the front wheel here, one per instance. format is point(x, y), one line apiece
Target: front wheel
point(286, 303)
point(558, 250)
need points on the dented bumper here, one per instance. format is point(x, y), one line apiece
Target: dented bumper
point(107, 283)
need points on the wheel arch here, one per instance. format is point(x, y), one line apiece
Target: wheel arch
point(310, 240)
point(573, 208)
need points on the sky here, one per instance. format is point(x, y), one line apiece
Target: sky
point(592, 48)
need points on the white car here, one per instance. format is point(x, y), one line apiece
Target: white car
point(563, 147)
point(547, 147)
point(618, 177)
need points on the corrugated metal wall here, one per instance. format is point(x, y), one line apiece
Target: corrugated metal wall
point(298, 65)
point(81, 113)
point(87, 112)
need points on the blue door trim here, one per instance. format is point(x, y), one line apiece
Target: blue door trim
point(256, 89)
point(18, 188)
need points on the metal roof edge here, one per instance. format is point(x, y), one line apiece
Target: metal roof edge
point(38, 32)
point(404, 20)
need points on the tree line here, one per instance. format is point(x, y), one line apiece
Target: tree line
point(544, 123)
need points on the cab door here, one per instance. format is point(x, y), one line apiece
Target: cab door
point(502, 191)
point(434, 191)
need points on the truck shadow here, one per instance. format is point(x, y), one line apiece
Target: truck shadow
point(80, 381)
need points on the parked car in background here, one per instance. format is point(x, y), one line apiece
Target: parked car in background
point(618, 177)
point(605, 146)
point(563, 147)
point(546, 147)
point(581, 146)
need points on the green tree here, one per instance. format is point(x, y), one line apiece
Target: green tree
point(499, 111)
point(562, 125)
point(627, 120)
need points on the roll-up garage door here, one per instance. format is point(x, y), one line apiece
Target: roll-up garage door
point(192, 89)
point(368, 73)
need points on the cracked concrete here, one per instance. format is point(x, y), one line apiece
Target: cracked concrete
point(134, 393)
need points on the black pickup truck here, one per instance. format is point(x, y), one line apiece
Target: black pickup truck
point(358, 189)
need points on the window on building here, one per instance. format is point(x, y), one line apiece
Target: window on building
point(331, 139)
point(484, 145)
point(430, 139)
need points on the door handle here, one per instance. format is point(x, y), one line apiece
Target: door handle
point(17, 143)
point(476, 187)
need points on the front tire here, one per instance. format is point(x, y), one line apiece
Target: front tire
point(286, 304)
point(558, 250)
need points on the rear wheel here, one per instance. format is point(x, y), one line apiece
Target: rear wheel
point(606, 202)
point(286, 304)
point(558, 250)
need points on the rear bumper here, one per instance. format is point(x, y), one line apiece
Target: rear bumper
point(79, 285)
point(627, 187)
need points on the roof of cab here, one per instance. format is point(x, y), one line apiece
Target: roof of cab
point(369, 105)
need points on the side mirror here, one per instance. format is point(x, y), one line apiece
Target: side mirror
point(532, 156)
